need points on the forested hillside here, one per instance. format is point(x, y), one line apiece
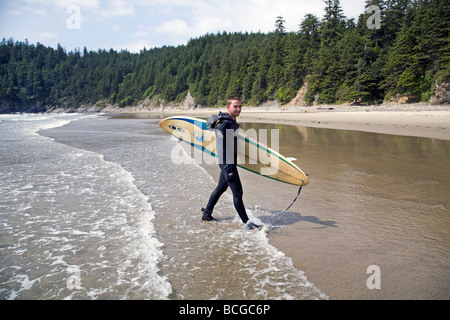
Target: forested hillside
point(340, 60)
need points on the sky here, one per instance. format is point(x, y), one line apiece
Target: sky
point(135, 24)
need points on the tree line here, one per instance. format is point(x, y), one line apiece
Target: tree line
point(341, 60)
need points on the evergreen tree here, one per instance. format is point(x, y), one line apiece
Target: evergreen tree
point(279, 26)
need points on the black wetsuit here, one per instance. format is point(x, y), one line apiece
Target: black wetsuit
point(226, 146)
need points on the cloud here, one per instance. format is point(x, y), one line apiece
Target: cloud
point(352, 9)
point(173, 27)
point(103, 9)
point(118, 8)
point(35, 11)
point(26, 10)
point(66, 3)
point(134, 45)
point(171, 32)
point(48, 35)
point(203, 16)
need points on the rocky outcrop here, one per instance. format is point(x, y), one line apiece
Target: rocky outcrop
point(441, 94)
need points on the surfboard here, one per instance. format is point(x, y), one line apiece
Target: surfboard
point(252, 155)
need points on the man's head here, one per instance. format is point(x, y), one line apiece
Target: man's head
point(234, 106)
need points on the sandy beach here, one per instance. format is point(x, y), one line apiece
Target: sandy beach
point(418, 119)
point(323, 253)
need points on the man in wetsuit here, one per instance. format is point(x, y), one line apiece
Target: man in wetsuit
point(226, 146)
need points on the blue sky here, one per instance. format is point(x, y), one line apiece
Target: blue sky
point(136, 24)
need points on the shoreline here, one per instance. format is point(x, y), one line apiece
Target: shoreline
point(419, 120)
point(426, 124)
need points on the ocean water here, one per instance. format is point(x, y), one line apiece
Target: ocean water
point(92, 207)
point(72, 224)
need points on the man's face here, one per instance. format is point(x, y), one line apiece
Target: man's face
point(234, 109)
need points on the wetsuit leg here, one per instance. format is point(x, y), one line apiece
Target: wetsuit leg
point(236, 188)
point(222, 186)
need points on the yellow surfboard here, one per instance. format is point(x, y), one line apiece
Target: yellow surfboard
point(252, 155)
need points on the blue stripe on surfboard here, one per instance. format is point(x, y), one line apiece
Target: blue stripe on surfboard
point(195, 122)
point(200, 147)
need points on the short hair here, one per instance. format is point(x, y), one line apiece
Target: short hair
point(231, 98)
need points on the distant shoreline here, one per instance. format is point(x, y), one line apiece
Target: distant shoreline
point(419, 120)
point(424, 123)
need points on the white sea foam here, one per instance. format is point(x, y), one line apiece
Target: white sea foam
point(76, 205)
